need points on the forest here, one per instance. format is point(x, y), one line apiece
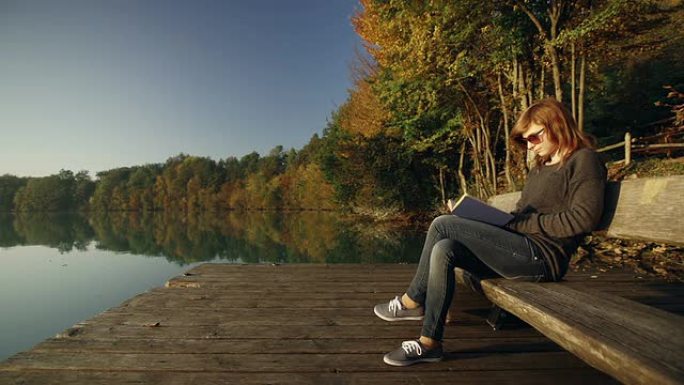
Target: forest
point(436, 90)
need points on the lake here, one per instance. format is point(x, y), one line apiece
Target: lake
point(59, 269)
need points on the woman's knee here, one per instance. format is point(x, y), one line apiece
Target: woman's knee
point(451, 226)
point(442, 218)
point(441, 221)
point(443, 252)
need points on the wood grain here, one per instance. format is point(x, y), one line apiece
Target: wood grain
point(634, 343)
point(298, 324)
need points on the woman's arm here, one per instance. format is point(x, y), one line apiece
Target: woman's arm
point(586, 187)
point(582, 216)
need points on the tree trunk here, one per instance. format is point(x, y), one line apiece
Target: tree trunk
point(485, 150)
point(530, 86)
point(542, 80)
point(461, 176)
point(554, 17)
point(524, 103)
point(504, 111)
point(490, 161)
point(476, 167)
point(580, 114)
point(573, 87)
point(442, 188)
point(514, 83)
point(492, 165)
point(482, 164)
point(481, 138)
point(555, 66)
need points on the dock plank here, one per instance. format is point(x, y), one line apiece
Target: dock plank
point(281, 346)
point(269, 362)
point(504, 377)
point(285, 324)
point(405, 331)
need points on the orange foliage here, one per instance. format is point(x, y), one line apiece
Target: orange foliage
point(370, 26)
point(363, 114)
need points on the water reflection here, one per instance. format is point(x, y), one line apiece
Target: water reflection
point(253, 237)
point(64, 232)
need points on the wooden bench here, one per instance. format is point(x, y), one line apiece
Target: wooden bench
point(634, 343)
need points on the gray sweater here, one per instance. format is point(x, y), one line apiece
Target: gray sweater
point(559, 205)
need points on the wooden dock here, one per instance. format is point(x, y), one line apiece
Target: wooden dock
point(297, 324)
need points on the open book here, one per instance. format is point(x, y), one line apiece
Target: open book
point(472, 208)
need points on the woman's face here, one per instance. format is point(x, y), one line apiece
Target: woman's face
point(539, 141)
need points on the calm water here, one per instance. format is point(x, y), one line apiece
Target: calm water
point(60, 269)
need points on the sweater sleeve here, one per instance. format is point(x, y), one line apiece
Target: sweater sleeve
point(583, 210)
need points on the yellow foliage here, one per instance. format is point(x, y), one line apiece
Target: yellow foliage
point(363, 113)
point(307, 188)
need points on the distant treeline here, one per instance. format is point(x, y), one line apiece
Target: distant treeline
point(434, 98)
point(182, 183)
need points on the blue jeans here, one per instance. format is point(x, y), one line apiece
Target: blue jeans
point(480, 248)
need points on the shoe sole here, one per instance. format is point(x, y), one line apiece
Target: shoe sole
point(392, 362)
point(394, 319)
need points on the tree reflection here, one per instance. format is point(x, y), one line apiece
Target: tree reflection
point(63, 231)
point(248, 237)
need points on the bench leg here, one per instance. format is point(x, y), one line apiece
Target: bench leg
point(497, 317)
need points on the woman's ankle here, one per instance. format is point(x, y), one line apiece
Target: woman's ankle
point(408, 302)
point(429, 342)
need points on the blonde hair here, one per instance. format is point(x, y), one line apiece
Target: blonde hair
point(559, 127)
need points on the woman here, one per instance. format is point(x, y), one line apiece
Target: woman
point(562, 200)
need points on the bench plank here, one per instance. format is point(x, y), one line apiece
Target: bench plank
point(636, 344)
point(650, 209)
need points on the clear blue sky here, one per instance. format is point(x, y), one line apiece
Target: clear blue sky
point(99, 84)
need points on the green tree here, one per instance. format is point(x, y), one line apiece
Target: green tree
point(51, 193)
point(111, 190)
point(9, 185)
point(84, 189)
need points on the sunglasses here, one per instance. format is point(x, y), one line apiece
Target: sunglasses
point(535, 138)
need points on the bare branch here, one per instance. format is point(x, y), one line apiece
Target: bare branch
point(532, 17)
